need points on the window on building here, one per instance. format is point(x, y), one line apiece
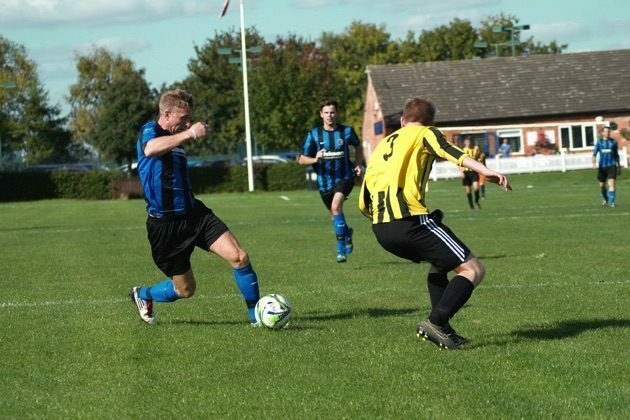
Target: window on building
point(577, 136)
point(515, 137)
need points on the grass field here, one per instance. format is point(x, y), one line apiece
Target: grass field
point(550, 324)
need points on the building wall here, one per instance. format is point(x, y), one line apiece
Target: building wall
point(372, 117)
point(544, 136)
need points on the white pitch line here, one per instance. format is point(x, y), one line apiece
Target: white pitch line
point(75, 302)
point(285, 198)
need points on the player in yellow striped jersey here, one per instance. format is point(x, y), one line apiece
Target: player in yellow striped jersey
point(482, 178)
point(470, 178)
point(393, 197)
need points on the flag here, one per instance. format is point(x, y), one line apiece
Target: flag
point(224, 9)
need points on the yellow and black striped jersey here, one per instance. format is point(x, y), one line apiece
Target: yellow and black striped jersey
point(395, 180)
point(473, 152)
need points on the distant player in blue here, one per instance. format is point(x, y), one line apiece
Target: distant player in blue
point(327, 148)
point(177, 222)
point(608, 166)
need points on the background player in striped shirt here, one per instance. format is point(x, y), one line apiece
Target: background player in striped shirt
point(471, 178)
point(327, 148)
point(393, 197)
point(608, 152)
point(177, 222)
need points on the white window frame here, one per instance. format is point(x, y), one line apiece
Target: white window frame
point(510, 134)
point(569, 127)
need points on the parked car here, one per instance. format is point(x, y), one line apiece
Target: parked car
point(214, 163)
point(67, 167)
point(267, 159)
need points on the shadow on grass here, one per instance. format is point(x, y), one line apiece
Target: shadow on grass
point(202, 322)
point(557, 331)
point(369, 312)
point(26, 229)
point(567, 329)
point(491, 257)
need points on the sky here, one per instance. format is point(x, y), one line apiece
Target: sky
point(159, 36)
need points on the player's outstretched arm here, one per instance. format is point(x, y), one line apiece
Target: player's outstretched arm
point(491, 176)
point(164, 144)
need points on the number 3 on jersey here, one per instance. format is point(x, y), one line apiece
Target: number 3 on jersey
point(390, 140)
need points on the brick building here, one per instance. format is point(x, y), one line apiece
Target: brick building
point(540, 103)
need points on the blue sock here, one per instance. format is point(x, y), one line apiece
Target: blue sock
point(611, 197)
point(605, 194)
point(161, 292)
point(247, 282)
point(341, 230)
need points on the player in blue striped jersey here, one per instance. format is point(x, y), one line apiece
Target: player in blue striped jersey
point(327, 149)
point(606, 147)
point(177, 222)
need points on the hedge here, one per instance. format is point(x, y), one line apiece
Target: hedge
point(97, 185)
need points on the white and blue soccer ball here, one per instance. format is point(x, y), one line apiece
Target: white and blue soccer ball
point(273, 311)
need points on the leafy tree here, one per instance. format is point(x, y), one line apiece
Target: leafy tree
point(217, 88)
point(30, 128)
point(107, 83)
point(350, 51)
point(288, 82)
point(447, 42)
point(128, 103)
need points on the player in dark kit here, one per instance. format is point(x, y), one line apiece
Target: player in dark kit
point(177, 222)
point(327, 148)
point(608, 152)
point(393, 197)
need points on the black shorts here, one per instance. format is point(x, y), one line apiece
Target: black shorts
point(344, 186)
point(606, 173)
point(423, 238)
point(173, 239)
point(469, 178)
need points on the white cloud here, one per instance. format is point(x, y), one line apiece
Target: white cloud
point(18, 13)
point(412, 6)
point(124, 46)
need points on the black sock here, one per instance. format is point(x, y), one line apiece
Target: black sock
point(436, 283)
point(469, 196)
point(477, 196)
point(455, 296)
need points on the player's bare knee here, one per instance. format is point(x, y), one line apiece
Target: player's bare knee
point(240, 259)
point(478, 269)
point(186, 291)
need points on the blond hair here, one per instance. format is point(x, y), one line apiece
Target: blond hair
point(175, 99)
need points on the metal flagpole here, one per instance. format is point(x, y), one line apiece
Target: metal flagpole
point(248, 134)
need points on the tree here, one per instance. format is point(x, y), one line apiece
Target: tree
point(128, 103)
point(447, 42)
point(107, 84)
point(288, 81)
point(30, 128)
point(217, 88)
point(349, 52)
point(499, 42)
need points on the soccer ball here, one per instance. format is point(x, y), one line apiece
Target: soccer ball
point(273, 311)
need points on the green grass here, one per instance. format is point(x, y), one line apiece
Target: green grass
point(549, 325)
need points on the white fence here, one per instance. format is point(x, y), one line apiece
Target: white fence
point(561, 162)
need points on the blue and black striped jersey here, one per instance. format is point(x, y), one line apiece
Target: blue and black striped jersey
point(164, 178)
point(336, 165)
point(608, 152)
